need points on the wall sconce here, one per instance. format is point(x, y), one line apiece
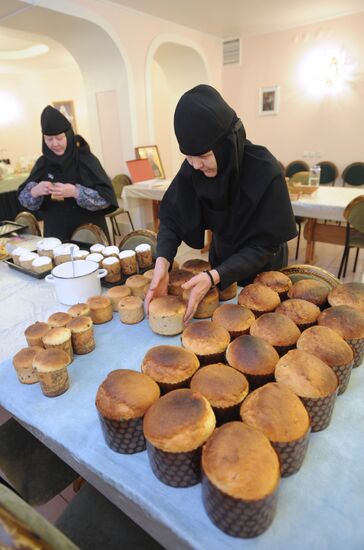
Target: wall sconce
point(323, 72)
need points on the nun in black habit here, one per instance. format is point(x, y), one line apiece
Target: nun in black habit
point(228, 185)
point(67, 185)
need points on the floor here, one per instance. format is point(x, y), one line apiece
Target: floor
point(327, 256)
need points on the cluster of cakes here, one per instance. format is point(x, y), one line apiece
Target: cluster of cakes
point(121, 264)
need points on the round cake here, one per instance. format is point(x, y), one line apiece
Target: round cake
point(278, 330)
point(303, 313)
point(144, 255)
point(235, 318)
point(228, 293)
point(170, 366)
point(275, 280)
point(137, 284)
point(121, 401)
point(46, 246)
point(59, 319)
point(207, 305)
point(23, 365)
point(128, 262)
point(166, 315)
point(347, 294)
point(59, 338)
point(131, 310)
point(258, 298)
point(280, 414)
point(112, 266)
point(196, 265)
point(110, 251)
point(79, 310)
point(51, 366)
point(207, 340)
point(82, 334)
point(97, 248)
point(176, 427)
point(310, 290)
point(116, 293)
point(34, 333)
point(177, 278)
point(100, 309)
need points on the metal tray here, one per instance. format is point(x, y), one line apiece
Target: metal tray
point(11, 264)
point(7, 227)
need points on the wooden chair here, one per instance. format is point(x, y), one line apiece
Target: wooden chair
point(354, 174)
point(296, 166)
point(329, 172)
point(28, 219)
point(89, 233)
point(354, 236)
point(119, 182)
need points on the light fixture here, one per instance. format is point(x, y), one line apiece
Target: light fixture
point(325, 71)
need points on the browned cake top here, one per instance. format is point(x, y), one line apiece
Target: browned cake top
point(258, 297)
point(166, 306)
point(240, 461)
point(277, 412)
point(136, 281)
point(222, 386)
point(180, 421)
point(275, 280)
point(49, 360)
point(348, 294)
point(310, 290)
point(130, 303)
point(99, 302)
point(299, 311)
point(179, 276)
point(24, 357)
point(169, 364)
point(120, 291)
point(305, 374)
point(79, 309)
point(59, 319)
point(37, 330)
point(233, 317)
point(56, 336)
point(252, 355)
point(275, 328)
point(326, 344)
point(345, 320)
point(196, 265)
point(211, 297)
point(126, 394)
point(205, 338)
point(80, 324)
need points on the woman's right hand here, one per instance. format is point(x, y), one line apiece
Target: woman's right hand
point(41, 189)
point(159, 282)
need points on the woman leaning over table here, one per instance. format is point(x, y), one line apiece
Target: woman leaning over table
point(228, 185)
point(67, 186)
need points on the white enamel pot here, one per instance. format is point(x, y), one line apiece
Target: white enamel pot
point(76, 287)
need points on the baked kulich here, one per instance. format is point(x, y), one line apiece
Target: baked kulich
point(59, 338)
point(144, 255)
point(349, 323)
point(310, 290)
point(100, 309)
point(177, 278)
point(347, 294)
point(235, 318)
point(149, 274)
point(97, 248)
point(23, 365)
point(111, 250)
point(280, 414)
point(240, 480)
point(42, 264)
point(137, 284)
point(46, 246)
point(121, 401)
point(95, 257)
point(207, 305)
point(166, 315)
point(116, 293)
point(207, 340)
point(131, 310)
point(258, 298)
point(35, 332)
point(59, 319)
point(277, 329)
point(254, 357)
point(51, 366)
point(275, 280)
point(224, 387)
point(176, 427)
point(171, 367)
point(112, 266)
point(128, 262)
point(313, 381)
point(17, 252)
point(26, 259)
point(82, 334)
point(196, 265)
point(79, 310)
point(228, 293)
point(303, 313)
point(332, 349)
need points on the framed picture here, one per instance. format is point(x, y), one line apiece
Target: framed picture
point(151, 153)
point(268, 100)
point(68, 110)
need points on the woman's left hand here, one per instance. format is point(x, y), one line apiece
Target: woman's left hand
point(65, 190)
point(198, 286)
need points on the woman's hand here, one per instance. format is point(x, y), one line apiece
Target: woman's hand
point(159, 282)
point(198, 286)
point(42, 189)
point(64, 191)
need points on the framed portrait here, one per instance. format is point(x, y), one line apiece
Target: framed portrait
point(268, 100)
point(67, 109)
point(151, 153)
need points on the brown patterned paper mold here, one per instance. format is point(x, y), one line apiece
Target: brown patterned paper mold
point(51, 366)
point(207, 340)
point(280, 414)
point(224, 387)
point(278, 330)
point(331, 349)
point(240, 501)
point(122, 400)
point(176, 427)
point(313, 381)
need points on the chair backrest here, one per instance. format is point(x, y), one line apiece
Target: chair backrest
point(354, 213)
point(90, 233)
point(300, 177)
point(28, 219)
point(296, 166)
point(329, 172)
point(354, 174)
point(118, 182)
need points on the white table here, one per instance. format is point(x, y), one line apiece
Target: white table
point(320, 507)
point(137, 197)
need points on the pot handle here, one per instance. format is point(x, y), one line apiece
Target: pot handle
point(49, 279)
point(101, 273)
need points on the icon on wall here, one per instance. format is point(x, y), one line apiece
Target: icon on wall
point(67, 109)
point(268, 100)
point(151, 153)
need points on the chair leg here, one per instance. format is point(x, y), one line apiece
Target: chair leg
point(356, 259)
point(131, 223)
point(346, 261)
point(298, 239)
point(342, 262)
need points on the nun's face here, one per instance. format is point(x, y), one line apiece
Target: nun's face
point(57, 144)
point(206, 163)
